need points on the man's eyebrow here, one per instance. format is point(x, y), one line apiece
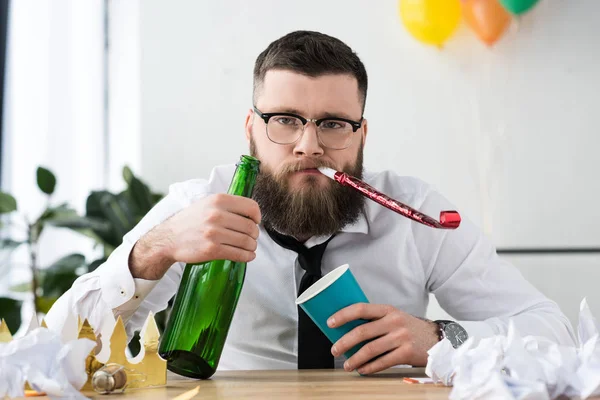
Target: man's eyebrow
point(283, 110)
point(320, 116)
point(335, 115)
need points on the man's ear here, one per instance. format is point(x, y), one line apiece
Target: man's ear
point(365, 129)
point(248, 124)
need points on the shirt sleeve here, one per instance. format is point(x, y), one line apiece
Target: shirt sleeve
point(479, 289)
point(110, 291)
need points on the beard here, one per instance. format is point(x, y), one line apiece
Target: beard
point(309, 210)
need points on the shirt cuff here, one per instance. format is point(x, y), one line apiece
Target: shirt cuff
point(116, 283)
point(477, 329)
point(120, 291)
point(142, 287)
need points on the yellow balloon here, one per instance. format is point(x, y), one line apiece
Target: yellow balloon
point(430, 21)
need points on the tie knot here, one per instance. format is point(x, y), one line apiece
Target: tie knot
point(308, 258)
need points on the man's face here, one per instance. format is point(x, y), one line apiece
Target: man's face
point(286, 91)
point(288, 172)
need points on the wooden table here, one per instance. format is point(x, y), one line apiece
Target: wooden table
point(290, 385)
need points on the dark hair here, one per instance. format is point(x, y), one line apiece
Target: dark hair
point(312, 54)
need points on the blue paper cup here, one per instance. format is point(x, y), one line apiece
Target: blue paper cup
point(336, 290)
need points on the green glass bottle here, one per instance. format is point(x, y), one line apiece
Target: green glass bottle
point(206, 300)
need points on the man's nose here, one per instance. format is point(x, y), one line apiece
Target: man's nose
point(309, 144)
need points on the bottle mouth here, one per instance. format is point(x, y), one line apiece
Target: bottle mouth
point(248, 158)
point(249, 161)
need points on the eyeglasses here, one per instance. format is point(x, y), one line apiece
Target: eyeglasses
point(286, 128)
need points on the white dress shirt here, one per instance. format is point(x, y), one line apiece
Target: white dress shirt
point(395, 260)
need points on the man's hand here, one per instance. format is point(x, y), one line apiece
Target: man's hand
point(217, 227)
point(397, 337)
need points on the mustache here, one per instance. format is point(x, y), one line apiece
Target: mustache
point(300, 165)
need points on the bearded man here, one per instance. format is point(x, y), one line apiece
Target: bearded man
point(310, 91)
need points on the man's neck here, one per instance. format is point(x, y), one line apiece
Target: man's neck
point(302, 239)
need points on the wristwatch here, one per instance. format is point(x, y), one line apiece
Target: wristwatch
point(452, 331)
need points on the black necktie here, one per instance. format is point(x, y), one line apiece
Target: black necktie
point(314, 349)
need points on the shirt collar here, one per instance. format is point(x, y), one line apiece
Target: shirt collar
point(361, 225)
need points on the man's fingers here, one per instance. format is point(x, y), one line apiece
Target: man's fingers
point(360, 334)
point(370, 351)
point(236, 254)
point(389, 360)
point(236, 239)
point(238, 205)
point(240, 224)
point(357, 311)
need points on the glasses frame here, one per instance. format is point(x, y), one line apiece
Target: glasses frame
point(356, 125)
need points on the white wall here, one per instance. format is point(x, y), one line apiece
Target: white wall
point(54, 117)
point(564, 279)
point(509, 134)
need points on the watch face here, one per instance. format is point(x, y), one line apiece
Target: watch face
point(456, 334)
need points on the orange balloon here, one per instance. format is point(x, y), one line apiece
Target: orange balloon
point(487, 18)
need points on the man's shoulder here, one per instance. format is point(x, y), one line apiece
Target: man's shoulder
point(217, 182)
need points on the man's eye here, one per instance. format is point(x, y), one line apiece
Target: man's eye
point(286, 120)
point(332, 125)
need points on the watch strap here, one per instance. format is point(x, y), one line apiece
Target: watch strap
point(441, 323)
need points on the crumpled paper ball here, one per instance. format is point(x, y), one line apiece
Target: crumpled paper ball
point(520, 368)
point(49, 365)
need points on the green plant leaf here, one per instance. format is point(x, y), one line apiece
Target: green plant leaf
point(10, 310)
point(95, 264)
point(9, 244)
point(67, 263)
point(46, 180)
point(7, 203)
point(156, 197)
point(95, 208)
point(59, 212)
point(22, 287)
point(108, 249)
point(59, 277)
point(78, 223)
point(57, 282)
point(92, 204)
point(117, 211)
point(127, 174)
point(141, 195)
point(44, 303)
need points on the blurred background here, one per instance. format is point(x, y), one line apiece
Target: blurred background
point(108, 102)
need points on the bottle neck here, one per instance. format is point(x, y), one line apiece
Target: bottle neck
point(243, 180)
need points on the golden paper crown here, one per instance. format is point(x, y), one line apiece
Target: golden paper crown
point(148, 367)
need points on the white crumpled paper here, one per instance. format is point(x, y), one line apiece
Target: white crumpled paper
point(523, 368)
point(49, 365)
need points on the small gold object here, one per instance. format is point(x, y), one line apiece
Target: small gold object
point(110, 378)
point(113, 378)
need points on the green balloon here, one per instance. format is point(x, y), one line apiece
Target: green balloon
point(518, 6)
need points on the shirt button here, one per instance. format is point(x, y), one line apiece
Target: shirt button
point(122, 292)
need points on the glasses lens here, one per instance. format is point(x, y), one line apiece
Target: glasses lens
point(284, 129)
point(335, 134)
